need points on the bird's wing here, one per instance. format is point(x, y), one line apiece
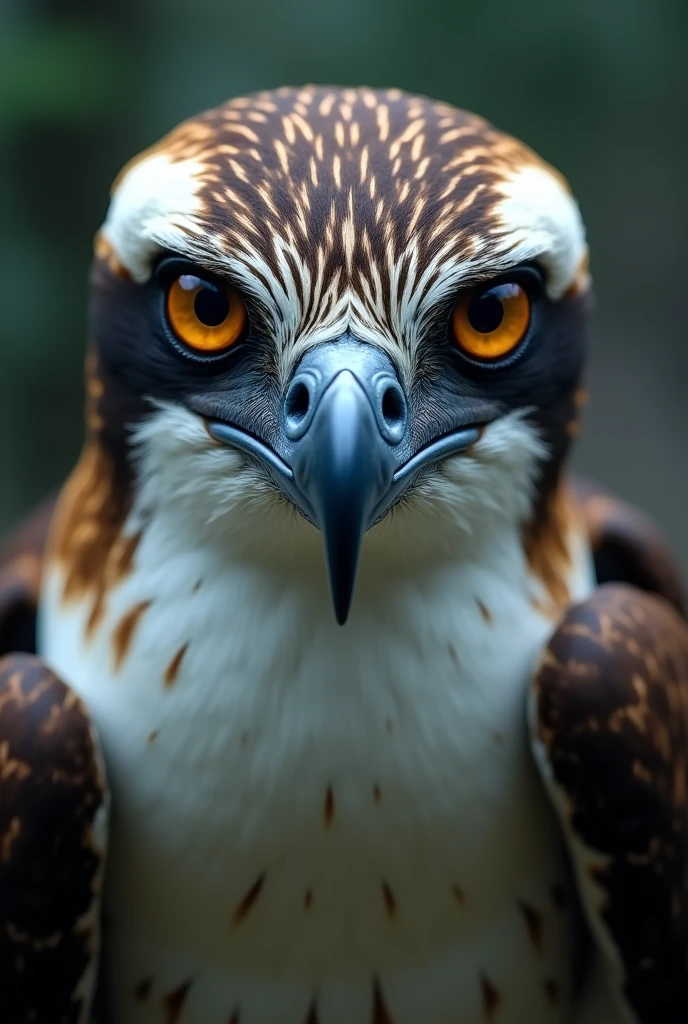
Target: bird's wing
point(53, 812)
point(21, 562)
point(609, 726)
point(53, 832)
point(626, 545)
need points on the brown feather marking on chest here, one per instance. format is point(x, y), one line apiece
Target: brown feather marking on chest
point(535, 925)
point(389, 900)
point(491, 999)
point(381, 1014)
point(123, 633)
point(546, 545)
point(312, 1017)
point(328, 808)
point(173, 1003)
point(143, 989)
point(86, 537)
point(459, 895)
point(248, 901)
point(172, 670)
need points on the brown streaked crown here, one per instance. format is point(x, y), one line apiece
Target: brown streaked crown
point(345, 205)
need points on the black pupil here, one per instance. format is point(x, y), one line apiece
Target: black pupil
point(211, 305)
point(486, 311)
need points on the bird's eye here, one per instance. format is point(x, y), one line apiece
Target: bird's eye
point(488, 323)
point(206, 317)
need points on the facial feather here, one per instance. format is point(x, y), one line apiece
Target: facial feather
point(209, 495)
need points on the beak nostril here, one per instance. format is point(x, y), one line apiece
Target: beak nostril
point(393, 407)
point(297, 403)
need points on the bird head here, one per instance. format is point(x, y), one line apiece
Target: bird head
point(342, 312)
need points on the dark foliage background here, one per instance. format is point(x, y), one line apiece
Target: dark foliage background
point(597, 86)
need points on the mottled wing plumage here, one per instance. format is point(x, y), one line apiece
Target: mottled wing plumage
point(610, 735)
point(53, 811)
point(53, 822)
point(626, 545)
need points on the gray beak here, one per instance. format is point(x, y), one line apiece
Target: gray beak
point(345, 460)
point(343, 457)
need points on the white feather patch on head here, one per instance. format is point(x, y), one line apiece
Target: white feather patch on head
point(541, 221)
point(153, 207)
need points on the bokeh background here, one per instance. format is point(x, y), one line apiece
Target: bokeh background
point(598, 87)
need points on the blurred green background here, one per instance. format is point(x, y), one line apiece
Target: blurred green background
point(598, 87)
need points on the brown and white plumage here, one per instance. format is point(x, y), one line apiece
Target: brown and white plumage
point(345, 207)
point(328, 824)
point(610, 730)
point(54, 804)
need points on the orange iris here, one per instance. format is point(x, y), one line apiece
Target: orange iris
point(205, 316)
point(488, 323)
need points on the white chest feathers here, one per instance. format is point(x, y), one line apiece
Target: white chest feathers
point(315, 823)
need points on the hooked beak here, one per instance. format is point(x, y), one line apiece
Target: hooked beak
point(345, 450)
point(345, 466)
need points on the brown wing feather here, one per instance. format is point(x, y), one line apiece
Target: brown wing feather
point(626, 545)
point(21, 560)
point(610, 734)
point(53, 817)
point(53, 810)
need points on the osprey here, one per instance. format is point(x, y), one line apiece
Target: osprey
point(322, 613)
